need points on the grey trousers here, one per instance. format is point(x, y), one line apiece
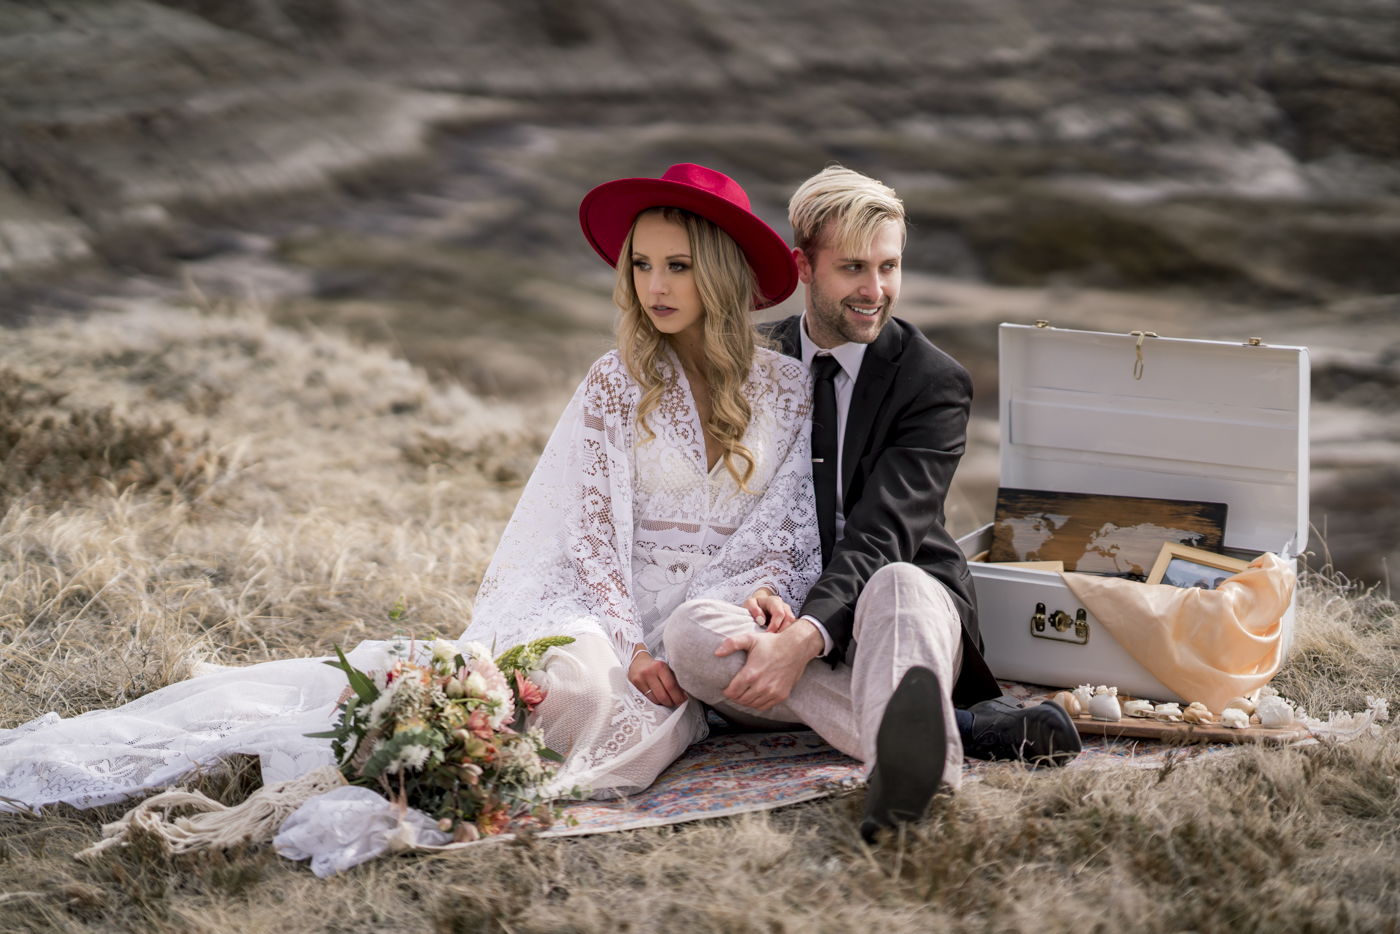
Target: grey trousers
point(903, 618)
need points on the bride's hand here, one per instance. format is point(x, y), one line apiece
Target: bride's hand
point(770, 610)
point(655, 680)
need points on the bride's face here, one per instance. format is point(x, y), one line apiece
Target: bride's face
point(664, 276)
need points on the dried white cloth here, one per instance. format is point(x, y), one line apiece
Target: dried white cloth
point(904, 617)
point(611, 534)
point(348, 826)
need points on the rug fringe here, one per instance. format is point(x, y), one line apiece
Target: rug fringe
point(255, 820)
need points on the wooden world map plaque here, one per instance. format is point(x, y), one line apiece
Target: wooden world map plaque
point(1118, 536)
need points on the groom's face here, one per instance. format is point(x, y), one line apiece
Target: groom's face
point(850, 297)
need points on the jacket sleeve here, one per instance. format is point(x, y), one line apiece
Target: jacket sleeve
point(905, 485)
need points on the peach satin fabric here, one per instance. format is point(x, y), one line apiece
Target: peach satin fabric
point(1206, 645)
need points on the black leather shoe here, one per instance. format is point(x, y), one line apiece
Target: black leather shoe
point(1003, 729)
point(910, 750)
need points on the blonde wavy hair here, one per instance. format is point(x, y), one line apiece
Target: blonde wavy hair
point(729, 293)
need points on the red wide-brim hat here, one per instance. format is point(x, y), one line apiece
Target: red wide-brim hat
point(608, 212)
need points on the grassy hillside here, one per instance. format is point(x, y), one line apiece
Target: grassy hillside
point(193, 484)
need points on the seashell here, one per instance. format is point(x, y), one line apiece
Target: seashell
point(1068, 701)
point(1241, 703)
point(1197, 713)
point(1274, 712)
point(1082, 694)
point(1105, 707)
point(1137, 708)
point(1234, 718)
point(1170, 711)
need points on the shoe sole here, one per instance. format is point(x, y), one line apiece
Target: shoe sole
point(911, 751)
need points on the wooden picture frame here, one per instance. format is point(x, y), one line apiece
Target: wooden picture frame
point(1176, 563)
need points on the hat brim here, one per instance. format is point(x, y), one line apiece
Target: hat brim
point(608, 212)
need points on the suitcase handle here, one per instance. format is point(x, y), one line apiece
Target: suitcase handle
point(1061, 623)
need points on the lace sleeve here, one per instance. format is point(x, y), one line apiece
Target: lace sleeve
point(561, 566)
point(777, 544)
point(598, 528)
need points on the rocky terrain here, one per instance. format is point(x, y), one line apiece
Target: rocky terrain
point(410, 172)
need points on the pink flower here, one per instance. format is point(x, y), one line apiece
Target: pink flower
point(493, 821)
point(479, 725)
point(530, 694)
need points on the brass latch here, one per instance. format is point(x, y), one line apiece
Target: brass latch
point(1042, 323)
point(1137, 367)
point(1256, 342)
point(1061, 622)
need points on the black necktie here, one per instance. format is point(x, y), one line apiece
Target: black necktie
point(825, 445)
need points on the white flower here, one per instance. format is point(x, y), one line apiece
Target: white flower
point(444, 651)
point(383, 702)
point(501, 706)
point(474, 685)
point(474, 650)
point(412, 756)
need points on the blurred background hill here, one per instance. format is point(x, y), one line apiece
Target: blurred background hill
point(410, 172)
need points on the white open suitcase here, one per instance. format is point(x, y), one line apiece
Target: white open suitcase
point(1207, 421)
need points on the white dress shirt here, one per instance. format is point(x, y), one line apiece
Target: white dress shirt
point(849, 356)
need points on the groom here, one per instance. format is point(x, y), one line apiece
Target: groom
point(885, 659)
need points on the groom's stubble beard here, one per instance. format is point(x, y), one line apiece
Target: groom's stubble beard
point(831, 315)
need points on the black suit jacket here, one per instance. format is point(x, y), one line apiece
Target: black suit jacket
point(905, 433)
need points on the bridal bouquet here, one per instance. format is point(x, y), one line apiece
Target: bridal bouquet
point(449, 737)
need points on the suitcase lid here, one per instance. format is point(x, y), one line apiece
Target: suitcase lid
point(1209, 421)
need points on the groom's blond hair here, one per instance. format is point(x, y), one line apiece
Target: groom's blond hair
point(842, 208)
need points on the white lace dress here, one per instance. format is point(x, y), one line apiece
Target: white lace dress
point(611, 534)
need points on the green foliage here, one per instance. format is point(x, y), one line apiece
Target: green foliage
point(527, 657)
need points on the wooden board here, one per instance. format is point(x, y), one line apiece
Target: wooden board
point(1117, 535)
point(1139, 728)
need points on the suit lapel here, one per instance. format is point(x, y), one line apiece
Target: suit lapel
point(877, 370)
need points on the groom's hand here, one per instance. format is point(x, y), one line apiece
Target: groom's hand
point(775, 662)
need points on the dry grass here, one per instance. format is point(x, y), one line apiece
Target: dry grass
point(341, 479)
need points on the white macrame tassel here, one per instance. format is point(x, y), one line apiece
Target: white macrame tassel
point(255, 820)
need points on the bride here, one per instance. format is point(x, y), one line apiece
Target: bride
point(680, 470)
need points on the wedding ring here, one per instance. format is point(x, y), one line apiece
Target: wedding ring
point(648, 690)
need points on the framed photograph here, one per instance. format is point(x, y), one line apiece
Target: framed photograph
point(1184, 566)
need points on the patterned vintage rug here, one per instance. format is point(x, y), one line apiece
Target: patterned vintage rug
point(733, 773)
